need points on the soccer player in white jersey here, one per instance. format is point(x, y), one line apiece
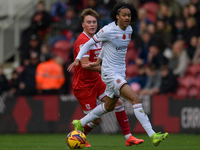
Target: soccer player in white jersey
point(116, 37)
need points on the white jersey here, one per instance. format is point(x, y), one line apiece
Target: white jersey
point(115, 43)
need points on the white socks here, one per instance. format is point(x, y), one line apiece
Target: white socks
point(143, 119)
point(94, 114)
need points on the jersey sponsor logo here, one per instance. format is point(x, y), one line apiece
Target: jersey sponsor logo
point(118, 80)
point(121, 47)
point(87, 106)
point(124, 36)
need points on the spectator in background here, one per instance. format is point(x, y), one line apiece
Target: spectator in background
point(14, 83)
point(70, 22)
point(169, 82)
point(191, 29)
point(45, 52)
point(174, 6)
point(41, 19)
point(27, 77)
point(92, 4)
point(108, 3)
point(193, 12)
point(196, 58)
point(185, 12)
point(50, 76)
point(104, 18)
point(153, 82)
point(142, 17)
point(77, 4)
point(178, 62)
point(165, 14)
point(156, 57)
point(151, 29)
point(141, 79)
point(33, 45)
point(191, 48)
point(3, 81)
point(178, 29)
point(163, 33)
point(144, 49)
point(58, 9)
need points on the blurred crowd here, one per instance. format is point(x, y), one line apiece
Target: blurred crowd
point(163, 54)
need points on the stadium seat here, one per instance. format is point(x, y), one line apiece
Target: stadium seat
point(151, 8)
point(193, 70)
point(193, 91)
point(63, 49)
point(131, 70)
point(131, 55)
point(186, 82)
point(182, 92)
point(131, 45)
point(63, 45)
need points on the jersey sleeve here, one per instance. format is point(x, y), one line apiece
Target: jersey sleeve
point(102, 35)
point(79, 45)
point(85, 48)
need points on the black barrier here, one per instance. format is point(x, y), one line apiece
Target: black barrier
point(53, 113)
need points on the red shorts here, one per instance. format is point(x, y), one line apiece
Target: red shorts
point(88, 96)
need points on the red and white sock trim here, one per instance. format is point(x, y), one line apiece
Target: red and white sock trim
point(119, 108)
point(91, 125)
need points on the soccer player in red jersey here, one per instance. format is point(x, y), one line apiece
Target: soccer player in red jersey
point(87, 83)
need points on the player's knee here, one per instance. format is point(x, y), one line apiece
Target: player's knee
point(110, 108)
point(97, 121)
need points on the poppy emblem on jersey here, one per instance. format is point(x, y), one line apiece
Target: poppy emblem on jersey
point(129, 36)
point(102, 31)
point(124, 36)
point(118, 80)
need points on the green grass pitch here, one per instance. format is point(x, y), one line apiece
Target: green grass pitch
point(98, 142)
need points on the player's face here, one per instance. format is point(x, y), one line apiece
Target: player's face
point(89, 25)
point(124, 18)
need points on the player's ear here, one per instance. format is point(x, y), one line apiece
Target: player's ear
point(82, 24)
point(117, 16)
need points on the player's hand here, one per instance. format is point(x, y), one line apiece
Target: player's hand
point(75, 63)
point(91, 64)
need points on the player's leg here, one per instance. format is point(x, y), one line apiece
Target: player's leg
point(127, 92)
point(87, 102)
point(124, 123)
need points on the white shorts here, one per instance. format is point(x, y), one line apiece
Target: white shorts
point(113, 84)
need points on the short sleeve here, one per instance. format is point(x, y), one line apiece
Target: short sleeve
point(102, 35)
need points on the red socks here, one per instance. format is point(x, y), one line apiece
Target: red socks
point(122, 119)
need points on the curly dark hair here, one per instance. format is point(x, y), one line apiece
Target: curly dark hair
point(114, 11)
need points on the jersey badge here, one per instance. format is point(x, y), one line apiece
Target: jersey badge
point(87, 106)
point(124, 36)
point(118, 80)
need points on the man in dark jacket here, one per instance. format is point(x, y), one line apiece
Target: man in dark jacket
point(27, 77)
point(169, 82)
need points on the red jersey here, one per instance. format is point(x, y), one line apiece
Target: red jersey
point(83, 78)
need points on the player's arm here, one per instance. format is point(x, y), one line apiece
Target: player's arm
point(82, 51)
point(85, 63)
point(102, 35)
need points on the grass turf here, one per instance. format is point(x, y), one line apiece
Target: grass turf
point(98, 142)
